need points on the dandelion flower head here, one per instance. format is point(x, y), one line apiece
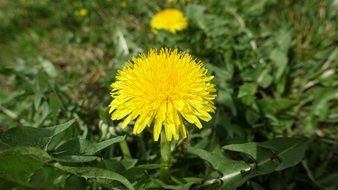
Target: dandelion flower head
point(162, 89)
point(123, 4)
point(175, 1)
point(172, 20)
point(81, 12)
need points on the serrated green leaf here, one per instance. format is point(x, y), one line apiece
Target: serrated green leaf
point(230, 169)
point(29, 136)
point(321, 104)
point(97, 175)
point(289, 151)
point(55, 105)
point(18, 168)
point(32, 152)
point(284, 39)
point(247, 89)
point(138, 171)
point(246, 93)
point(49, 178)
point(48, 67)
point(281, 60)
point(75, 158)
point(85, 147)
point(264, 79)
point(250, 148)
point(128, 163)
point(269, 156)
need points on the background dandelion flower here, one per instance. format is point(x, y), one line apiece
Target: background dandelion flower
point(172, 20)
point(175, 1)
point(123, 4)
point(81, 12)
point(163, 87)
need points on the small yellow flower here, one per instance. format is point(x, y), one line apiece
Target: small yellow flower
point(123, 4)
point(175, 1)
point(172, 20)
point(164, 87)
point(81, 12)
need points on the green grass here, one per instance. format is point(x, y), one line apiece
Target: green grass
point(275, 66)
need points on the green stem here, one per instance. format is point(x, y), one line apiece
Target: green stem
point(125, 149)
point(165, 157)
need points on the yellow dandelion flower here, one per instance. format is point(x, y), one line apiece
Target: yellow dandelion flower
point(81, 12)
point(164, 87)
point(175, 1)
point(123, 4)
point(172, 20)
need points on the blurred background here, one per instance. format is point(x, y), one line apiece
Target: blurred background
point(274, 61)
